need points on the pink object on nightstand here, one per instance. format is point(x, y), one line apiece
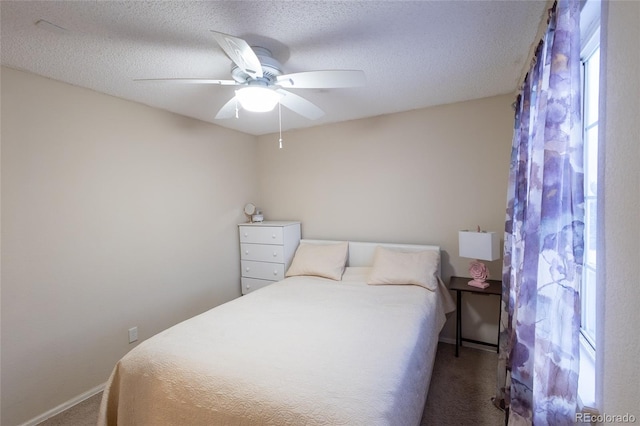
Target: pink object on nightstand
point(479, 284)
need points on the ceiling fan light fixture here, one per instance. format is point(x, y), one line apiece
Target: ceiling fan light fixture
point(257, 99)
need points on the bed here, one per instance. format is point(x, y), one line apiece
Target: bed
point(308, 350)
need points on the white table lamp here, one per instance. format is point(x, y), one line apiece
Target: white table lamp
point(479, 245)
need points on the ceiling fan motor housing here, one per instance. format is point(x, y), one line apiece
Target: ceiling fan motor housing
point(271, 68)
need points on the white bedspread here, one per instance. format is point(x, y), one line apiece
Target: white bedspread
point(304, 351)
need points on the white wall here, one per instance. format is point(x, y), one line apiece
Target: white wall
point(619, 340)
point(114, 215)
point(413, 177)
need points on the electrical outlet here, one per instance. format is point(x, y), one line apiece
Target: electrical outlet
point(133, 334)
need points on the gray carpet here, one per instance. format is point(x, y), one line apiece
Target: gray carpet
point(460, 393)
point(82, 414)
point(461, 389)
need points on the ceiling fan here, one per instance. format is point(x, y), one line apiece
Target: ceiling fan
point(262, 82)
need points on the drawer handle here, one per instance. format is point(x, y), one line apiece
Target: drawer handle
point(246, 235)
point(246, 269)
point(275, 272)
point(273, 236)
point(275, 254)
point(246, 252)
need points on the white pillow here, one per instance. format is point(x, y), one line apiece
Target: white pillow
point(405, 267)
point(321, 260)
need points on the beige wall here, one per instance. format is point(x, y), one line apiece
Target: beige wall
point(413, 177)
point(114, 215)
point(618, 388)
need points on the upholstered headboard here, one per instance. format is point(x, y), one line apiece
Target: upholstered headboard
point(361, 253)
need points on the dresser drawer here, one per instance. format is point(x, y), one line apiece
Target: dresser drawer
point(262, 270)
point(252, 284)
point(262, 252)
point(261, 234)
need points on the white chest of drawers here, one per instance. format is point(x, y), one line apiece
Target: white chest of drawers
point(266, 251)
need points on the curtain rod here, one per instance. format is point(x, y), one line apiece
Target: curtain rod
point(533, 51)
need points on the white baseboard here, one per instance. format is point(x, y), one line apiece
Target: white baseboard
point(65, 406)
point(466, 344)
point(447, 340)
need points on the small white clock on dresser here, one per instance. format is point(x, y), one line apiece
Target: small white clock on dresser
point(266, 251)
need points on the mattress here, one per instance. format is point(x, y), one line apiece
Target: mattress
point(303, 351)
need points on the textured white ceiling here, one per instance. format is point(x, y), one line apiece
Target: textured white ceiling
point(414, 53)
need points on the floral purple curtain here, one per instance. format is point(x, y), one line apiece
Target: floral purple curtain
point(539, 341)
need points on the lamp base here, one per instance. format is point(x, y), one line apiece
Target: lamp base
point(478, 284)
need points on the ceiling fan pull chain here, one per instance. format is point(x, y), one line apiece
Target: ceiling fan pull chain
point(280, 123)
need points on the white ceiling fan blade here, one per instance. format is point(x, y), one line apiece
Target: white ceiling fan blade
point(189, 81)
point(299, 105)
point(228, 110)
point(327, 79)
point(240, 53)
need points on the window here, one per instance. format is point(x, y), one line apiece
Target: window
point(591, 77)
point(590, 58)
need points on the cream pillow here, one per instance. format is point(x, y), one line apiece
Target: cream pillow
point(321, 260)
point(405, 267)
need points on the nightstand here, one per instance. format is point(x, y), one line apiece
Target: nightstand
point(459, 285)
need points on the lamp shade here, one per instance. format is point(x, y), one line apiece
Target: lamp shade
point(479, 245)
point(257, 98)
